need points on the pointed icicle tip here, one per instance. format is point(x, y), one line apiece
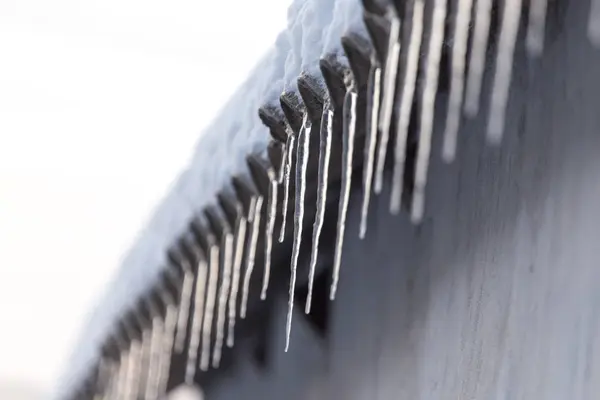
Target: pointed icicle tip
point(301, 169)
point(349, 128)
point(372, 114)
point(406, 104)
point(509, 29)
point(483, 13)
point(434, 56)
point(462, 19)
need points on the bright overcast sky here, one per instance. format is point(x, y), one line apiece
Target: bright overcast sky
point(101, 102)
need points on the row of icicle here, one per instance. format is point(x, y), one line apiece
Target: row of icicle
point(142, 370)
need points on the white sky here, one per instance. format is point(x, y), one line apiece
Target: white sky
point(101, 102)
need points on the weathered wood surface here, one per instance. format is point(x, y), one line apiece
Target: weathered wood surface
point(497, 294)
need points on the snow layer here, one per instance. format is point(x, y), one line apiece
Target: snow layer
point(314, 29)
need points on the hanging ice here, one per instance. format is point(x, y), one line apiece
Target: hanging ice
point(151, 392)
point(289, 151)
point(457, 81)
point(373, 98)
point(271, 213)
point(504, 65)
point(167, 348)
point(227, 247)
point(325, 137)
point(349, 128)
point(479, 44)
point(187, 287)
point(112, 389)
point(301, 167)
point(133, 367)
point(209, 306)
point(240, 240)
point(121, 387)
point(145, 356)
point(389, 89)
point(432, 69)
point(536, 27)
point(251, 254)
point(197, 318)
point(594, 23)
point(406, 104)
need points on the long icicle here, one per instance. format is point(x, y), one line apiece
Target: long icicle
point(406, 104)
point(223, 297)
point(251, 254)
point(271, 213)
point(167, 349)
point(197, 318)
point(240, 240)
point(151, 390)
point(132, 380)
point(373, 99)
point(457, 81)
point(113, 384)
point(347, 157)
point(389, 90)
point(184, 307)
point(121, 384)
point(593, 29)
point(209, 306)
point(145, 361)
point(301, 167)
point(289, 151)
point(325, 137)
point(483, 12)
point(434, 56)
point(536, 27)
point(504, 66)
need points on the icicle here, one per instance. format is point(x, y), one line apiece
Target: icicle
point(223, 297)
point(132, 380)
point(197, 319)
point(240, 240)
point(209, 306)
point(434, 56)
point(271, 212)
point(151, 391)
point(102, 380)
point(289, 151)
point(457, 82)
point(301, 167)
point(594, 23)
point(145, 360)
point(326, 134)
point(184, 307)
point(121, 385)
point(113, 383)
point(251, 254)
point(373, 98)
point(167, 349)
point(481, 33)
point(347, 157)
point(504, 65)
point(406, 104)
point(389, 89)
point(536, 28)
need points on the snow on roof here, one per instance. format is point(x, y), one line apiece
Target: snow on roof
point(314, 29)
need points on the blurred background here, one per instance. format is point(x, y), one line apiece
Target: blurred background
point(101, 103)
